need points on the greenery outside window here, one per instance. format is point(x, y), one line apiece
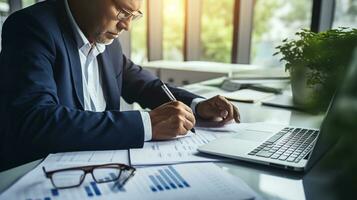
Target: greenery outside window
point(217, 30)
point(345, 14)
point(139, 38)
point(173, 29)
point(274, 21)
point(26, 3)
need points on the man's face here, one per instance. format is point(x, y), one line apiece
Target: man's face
point(106, 26)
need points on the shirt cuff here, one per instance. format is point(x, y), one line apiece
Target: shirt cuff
point(194, 104)
point(147, 126)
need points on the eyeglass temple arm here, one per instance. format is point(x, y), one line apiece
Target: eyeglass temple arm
point(45, 172)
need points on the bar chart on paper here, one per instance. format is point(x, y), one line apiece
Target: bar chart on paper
point(167, 178)
point(164, 182)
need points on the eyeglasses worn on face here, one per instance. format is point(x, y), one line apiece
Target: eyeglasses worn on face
point(124, 14)
point(74, 176)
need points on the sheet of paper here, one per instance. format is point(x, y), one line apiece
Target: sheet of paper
point(213, 127)
point(190, 181)
point(88, 157)
point(177, 150)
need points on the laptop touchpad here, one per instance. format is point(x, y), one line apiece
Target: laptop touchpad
point(253, 135)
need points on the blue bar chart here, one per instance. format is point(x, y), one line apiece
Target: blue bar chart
point(167, 178)
point(54, 192)
point(92, 189)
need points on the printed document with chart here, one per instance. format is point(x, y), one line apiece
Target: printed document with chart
point(189, 181)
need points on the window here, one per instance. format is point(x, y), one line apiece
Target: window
point(4, 7)
point(274, 21)
point(138, 38)
point(173, 29)
point(26, 3)
point(345, 13)
point(4, 11)
point(217, 30)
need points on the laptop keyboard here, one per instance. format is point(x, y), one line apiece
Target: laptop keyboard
point(290, 144)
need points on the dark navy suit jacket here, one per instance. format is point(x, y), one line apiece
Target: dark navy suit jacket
point(41, 105)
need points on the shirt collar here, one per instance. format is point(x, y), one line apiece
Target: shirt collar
point(82, 42)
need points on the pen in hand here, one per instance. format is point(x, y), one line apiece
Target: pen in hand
point(171, 97)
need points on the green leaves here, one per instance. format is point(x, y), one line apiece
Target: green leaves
point(325, 53)
point(324, 57)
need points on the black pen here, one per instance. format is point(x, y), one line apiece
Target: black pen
point(171, 97)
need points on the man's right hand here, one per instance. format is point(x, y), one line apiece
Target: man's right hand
point(170, 120)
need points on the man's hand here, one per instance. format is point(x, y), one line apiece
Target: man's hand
point(171, 119)
point(218, 107)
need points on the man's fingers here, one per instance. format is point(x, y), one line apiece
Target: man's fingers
point(226, 105)
point(187, 113)
point(190, 117)
point(184, 121)
point(180, 104)
point(187, 125)
point(236, 114)
point(184, 108)
point(215, 110)
point(224, 114)
point(171, 119)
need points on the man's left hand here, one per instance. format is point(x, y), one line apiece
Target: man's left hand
point(219, 108)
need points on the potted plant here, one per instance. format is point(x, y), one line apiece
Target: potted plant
point(316, 62)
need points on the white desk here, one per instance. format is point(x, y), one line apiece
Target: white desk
point(268, 182)
point(181, 73)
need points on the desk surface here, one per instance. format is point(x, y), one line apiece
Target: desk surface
point(270, 183)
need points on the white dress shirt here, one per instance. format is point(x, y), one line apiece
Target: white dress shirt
point(92, 85)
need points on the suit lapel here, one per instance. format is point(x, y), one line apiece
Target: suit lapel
point(72, 51)
point(109, 81)
point(76, 70)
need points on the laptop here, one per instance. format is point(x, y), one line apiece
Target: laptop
point(280, 146)
point(286, 147)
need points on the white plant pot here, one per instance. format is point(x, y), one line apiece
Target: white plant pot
point(303, 95)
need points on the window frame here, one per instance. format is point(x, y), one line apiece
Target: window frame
point(323, 12)
point(242, 31)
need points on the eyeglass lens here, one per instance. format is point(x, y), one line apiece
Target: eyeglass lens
point(72, 178)
point(105, 174)
point(68, 178)
point(123, 15)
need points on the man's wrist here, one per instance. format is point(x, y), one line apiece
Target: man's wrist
point(194, 105)
point(145, 116)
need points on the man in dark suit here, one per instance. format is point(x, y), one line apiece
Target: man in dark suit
point(62, 73)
